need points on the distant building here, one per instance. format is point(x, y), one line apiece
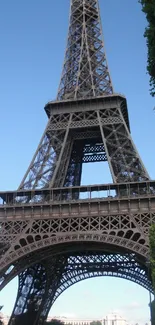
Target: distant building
point(111, 319)
point(114, 319)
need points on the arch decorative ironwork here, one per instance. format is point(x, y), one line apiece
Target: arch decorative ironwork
point(54, 232)
point(59, 272)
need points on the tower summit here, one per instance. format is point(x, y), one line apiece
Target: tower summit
point(55, 232)
point(85, 71)
point(66, 145)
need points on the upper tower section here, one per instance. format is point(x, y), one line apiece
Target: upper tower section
point(85, 72)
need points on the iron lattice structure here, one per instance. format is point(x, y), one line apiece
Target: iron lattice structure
point(55, 232)
point(85, 71)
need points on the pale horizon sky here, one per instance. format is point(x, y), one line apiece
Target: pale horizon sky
point(33, 39)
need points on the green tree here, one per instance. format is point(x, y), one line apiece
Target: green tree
point(152, 268)
point(152, 253)
point(95, 322)
point(148, 7)
point(153, 312)
point(54, 322)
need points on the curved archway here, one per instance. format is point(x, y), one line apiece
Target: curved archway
point(25, 246)
point(56, 270)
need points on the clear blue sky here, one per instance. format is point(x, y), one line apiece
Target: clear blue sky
point(33, 39)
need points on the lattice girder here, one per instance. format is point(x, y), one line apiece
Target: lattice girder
point(53, 232)
point(62, 271)
point(44, 161)
point(122, 222)
point(36, 283)
point(62, 150)
point(85, 72)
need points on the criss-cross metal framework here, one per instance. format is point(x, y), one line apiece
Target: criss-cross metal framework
point(83, 131)
point(55, 232)
point(85, 71)
point(69, 268)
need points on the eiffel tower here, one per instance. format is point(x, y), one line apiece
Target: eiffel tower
point(55, 232)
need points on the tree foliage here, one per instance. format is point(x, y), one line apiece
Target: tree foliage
point(153, 312)
point(152, 253)
point(148, 7)
point(95, 322)
point(54, 322)
point(152, 266)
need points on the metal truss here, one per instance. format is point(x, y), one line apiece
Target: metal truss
point(81, 136)
point(82, 214)
point(54, 232)
point(85, 71)
point(41, 284)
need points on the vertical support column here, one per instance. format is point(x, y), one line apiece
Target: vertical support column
point(73, 175)
point(63, 152)
point(124, 161)
point(56, 268)
point(32, 284)
point(105, 147)
point(37, 289)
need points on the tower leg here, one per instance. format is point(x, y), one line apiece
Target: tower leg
point(37, 287)
point(32, 283)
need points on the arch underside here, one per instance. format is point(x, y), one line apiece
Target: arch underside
point(41, 283)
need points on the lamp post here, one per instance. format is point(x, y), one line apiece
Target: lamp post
point(150, 298)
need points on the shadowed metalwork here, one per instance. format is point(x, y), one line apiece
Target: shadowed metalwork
point(55, 232)
point(64, 270)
